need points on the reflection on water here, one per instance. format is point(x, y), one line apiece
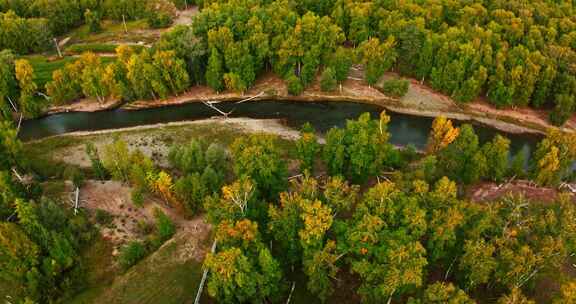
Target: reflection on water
point(404, 129)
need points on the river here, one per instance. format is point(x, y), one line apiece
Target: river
point(404, 129)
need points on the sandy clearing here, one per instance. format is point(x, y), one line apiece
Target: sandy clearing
point(114, 197)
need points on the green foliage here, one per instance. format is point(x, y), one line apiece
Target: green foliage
point(461, 160)
point(565, 107)
point(92, 19)
point(214, 73)
point(8, 82)
point(259, 158)
point(103, 217)
point(328, 80)
point(97, 165)
point(131, 253)
point(307, 147)
point(191, 190)
point(160, 13)
point(165, 228)
point(243, 270)
point(23, 35)
point(359, 151)
point(294, 85)
point(395, 87)
point(341, 63)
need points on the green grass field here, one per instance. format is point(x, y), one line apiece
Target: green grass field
point(112, 32)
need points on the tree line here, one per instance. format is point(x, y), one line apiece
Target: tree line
point(28, 26)
point(510, 54)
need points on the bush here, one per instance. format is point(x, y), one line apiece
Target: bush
point(395, 87)
point(131, 254)
point(164, 225)
point(294, 84)
point(328, 80)
point(103, 217)
point(137, 197)
point(75, 175)
point(565, 106)
point(160, 13)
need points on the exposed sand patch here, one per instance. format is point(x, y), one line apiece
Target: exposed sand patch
point(114, 198)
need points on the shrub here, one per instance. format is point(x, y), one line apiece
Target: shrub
point(131, 254)
point(137, 197)
point(328, 80)
point(103, 217)
point(75, 175)
point(165, 228)
point(395, 87)
point(294, 84)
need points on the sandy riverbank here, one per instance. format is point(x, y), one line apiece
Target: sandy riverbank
point(419, 101)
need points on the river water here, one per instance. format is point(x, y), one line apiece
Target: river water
point(404, 129)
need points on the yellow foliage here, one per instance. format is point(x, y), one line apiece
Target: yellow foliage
point(442, 134)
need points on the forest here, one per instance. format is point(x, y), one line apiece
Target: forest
point(510, 53)
point(393, 223)
point(342, 216)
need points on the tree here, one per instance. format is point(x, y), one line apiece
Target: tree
point(172, 71)
point(294, 85)
point(441, 292)
point(553, 157)
point(567, 293)
point(243, 270)
point(321, 268)
point(461, 159)
point(191, 190)
point(160, 13)
point(341, 63)
point(367, 146)
point(91, 77)
point(214, 72)
point(258, 158)
point(334, 151)
point(515, 297)
point(396, 87)
point(441, 135)
point(477, 263)
point(92, 19)
point(339, 195)
point(384, 241)
point(284, 225)
point(328, 80)
point(97, 165)
point(10, 146)
point(565, 107)
point(237, 278)
point(116, 160)
point(19, 257)
point(377, 58)
point(307, 147)
point(497, 155)
point(8, 83)
point(25, 76)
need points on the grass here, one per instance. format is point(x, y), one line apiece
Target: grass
point(97, 48)
point(112, 31)
point(160, 278)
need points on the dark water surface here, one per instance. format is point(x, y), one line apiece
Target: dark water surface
point(404, 129)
